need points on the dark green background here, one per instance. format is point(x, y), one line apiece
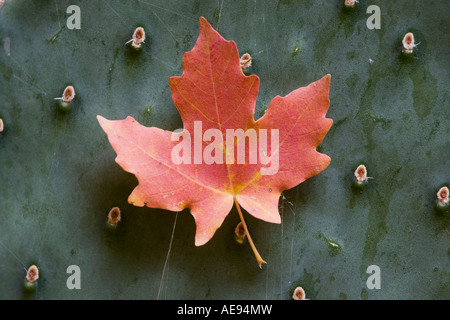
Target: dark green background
point(58, 178)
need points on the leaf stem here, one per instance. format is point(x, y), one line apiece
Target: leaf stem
point(258, 257)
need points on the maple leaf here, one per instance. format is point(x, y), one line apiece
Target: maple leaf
point(214, 92)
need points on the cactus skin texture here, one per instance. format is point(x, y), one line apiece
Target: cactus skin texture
point(59, 179)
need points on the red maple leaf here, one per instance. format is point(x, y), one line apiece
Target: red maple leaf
point(197, 168)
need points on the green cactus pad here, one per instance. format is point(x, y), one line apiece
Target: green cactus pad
point(59, 179)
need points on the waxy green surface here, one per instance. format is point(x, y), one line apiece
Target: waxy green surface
point(59, 179)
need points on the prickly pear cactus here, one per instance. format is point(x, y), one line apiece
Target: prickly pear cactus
point(379, 238)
